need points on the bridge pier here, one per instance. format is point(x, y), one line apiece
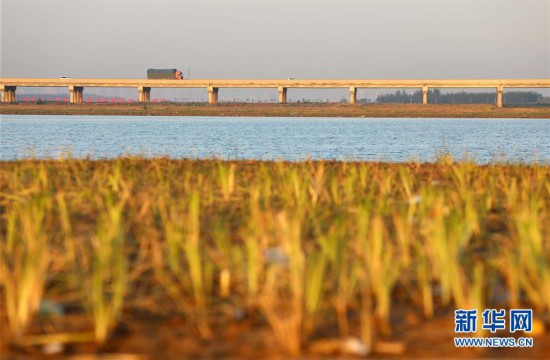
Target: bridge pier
point(144, 94)
point(8, 94)
point(500, 90)
point(212, 95)
point(424, 95)
point(282, 94)
point(352, 94)
point(75, 94)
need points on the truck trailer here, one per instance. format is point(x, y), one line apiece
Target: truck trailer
point(164, 74)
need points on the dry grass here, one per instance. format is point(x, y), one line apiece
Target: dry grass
point(284, 110)
point(305, 246)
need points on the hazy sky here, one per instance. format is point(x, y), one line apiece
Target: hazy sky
point(277, 39)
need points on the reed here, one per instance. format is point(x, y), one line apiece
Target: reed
point(24, 260)
point(283, 296)
point(309, 248)
point(189, 276)
point(102, 262)
point(226, 173)
point(199, 271)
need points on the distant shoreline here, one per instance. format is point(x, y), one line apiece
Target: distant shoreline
point(371, 110)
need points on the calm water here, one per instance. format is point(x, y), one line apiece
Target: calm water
point(274, 138)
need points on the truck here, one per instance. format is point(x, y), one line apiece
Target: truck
point(164, 74)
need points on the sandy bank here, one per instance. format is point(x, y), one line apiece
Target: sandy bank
point(282, 110)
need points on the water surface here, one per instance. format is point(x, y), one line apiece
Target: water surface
point(395, 140)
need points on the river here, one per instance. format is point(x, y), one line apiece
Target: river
point(393, 140)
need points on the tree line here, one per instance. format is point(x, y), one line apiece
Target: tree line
point(435, 96)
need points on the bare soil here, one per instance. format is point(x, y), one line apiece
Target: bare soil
point(149, 336)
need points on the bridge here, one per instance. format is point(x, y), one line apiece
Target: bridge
point(8, 86)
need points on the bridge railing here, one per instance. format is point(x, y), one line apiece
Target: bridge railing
point(8, 86)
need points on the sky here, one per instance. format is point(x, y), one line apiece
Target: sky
point(276, 39)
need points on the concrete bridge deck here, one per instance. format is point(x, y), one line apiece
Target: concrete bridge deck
point(76, 86)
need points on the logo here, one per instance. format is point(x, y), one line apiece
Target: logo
point(519, 320)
